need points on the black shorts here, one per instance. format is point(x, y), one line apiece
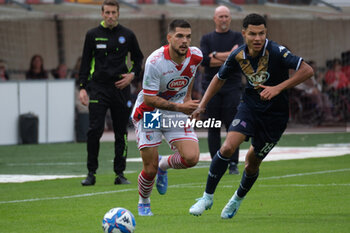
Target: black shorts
point(265, 128)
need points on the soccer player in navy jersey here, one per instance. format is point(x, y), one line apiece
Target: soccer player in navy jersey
point(262, 114)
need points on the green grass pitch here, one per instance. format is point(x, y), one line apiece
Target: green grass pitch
point(306, 195)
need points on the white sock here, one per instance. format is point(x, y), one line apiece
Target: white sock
point(144, 200)
point(163, 163)
point(210, 196)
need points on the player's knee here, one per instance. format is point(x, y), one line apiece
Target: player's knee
point(227, 151)
point(191, 159)
point(95, 133)
point(150, 169)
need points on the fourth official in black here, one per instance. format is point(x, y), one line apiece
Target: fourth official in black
point(105, 84)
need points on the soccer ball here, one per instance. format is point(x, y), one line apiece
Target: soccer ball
point(118, 220)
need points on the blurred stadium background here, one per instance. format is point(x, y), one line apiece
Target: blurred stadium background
point(317, 30)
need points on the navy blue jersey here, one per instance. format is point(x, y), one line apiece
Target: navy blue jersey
point(270, 68)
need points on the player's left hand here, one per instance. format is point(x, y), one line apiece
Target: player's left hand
point(269, 92)
point(124, 81)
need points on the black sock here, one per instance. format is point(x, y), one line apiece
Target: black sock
point(217, 169)
point(246, 183)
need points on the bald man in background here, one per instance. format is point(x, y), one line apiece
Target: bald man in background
point(216, 47)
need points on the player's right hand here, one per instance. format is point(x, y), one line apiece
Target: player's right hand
point(196, 114)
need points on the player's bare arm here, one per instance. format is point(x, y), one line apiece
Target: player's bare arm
point(303, 73)
point(189, 91)
point(158, 102)
point(214, 86)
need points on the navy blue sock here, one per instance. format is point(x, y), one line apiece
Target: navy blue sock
point(217, 169)
point(246, 183)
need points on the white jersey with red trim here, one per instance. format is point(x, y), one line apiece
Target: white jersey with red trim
point(164, 78)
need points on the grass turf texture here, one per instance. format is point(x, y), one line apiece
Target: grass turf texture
point(316, 200)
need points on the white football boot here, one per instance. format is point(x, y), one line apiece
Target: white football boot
point(231, 207)
point(203, 203)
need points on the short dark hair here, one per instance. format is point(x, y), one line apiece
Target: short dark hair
point(178, 23)
point(253, 19)
point(110, 3)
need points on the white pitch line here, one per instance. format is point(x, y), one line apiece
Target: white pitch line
point(18, 178)
point(45, 164)
point(21, 178)
point(268, 185)
point(192, 185)
point(68, 197)
point(285, 153)
point(301, 185)
point(277, 153)
point(272, 177)
point(305, 174)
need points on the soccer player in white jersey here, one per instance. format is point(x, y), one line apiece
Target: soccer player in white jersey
point(167, 83)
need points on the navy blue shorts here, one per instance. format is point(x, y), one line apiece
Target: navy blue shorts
point(265, 128)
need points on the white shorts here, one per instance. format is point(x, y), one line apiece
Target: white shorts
point(152, 138)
